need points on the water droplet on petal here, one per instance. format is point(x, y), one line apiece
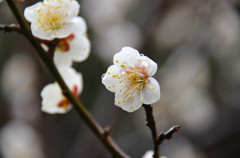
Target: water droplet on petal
point(103, 75)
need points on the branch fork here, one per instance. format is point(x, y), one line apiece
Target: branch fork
point(157, 140)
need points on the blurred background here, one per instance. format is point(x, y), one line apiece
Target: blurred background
point(196, 44)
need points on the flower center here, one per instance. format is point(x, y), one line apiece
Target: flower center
point(132, 81)
point(137, 78)
point(64, 103)
point(51, 17)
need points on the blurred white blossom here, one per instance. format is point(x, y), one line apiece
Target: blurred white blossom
point(18, 140)
point(114, 30)
point(116, 36)
point(53, 101)
point(19, 81)
point(130, 79)
point(112, 11)
point(181, 147)
point(186, 99)
point(149, 154)
point(179, 17)
point(52, 18)
point(224, 29)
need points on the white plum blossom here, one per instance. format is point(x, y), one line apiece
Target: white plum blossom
point(130, 78)
point(53, 101)
point(149, 154)
point(52, 18)
point(75, 47)
point(19, 140)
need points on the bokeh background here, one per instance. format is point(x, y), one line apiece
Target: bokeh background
point(196, 44)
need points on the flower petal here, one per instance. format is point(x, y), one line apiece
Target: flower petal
point(74, 9)
point(39, 32)
point(79, 25)
point(131, 104)
point(79, 48)
point(62, 59)
point(30, 12)
point(52, 95)
point(72, 78)
point(109, 80)
point(150, 65)
point(151, 91)
point(127, 56)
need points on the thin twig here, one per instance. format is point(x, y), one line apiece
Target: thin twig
point(107, 141)
point(10, 28)
point(150, 122)
point(169, 134)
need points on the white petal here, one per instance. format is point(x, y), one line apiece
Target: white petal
point(39, 32)
point(29, 13)
point(148, 154)
point(79, 48)
point(51, 96)
point(63, 32)
point(109, 81)
point(62, 59)
point(149, 64)
point(151, 91)
point(131, 104)
point(127, 56)
point(73, 10)
point(79, 25)
point(72, 78)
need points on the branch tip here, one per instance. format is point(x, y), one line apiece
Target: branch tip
point(11, 28)
point(169, 134)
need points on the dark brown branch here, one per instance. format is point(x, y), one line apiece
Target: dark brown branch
point(10, 28)
point(51, 44)
point(150, 122)
point(107, 141)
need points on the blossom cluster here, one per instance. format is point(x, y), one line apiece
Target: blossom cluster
point(130, 77)
point(58, 20)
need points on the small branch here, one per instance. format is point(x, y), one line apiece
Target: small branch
point(10, 28)
point(169, 134)
point(150, 122)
